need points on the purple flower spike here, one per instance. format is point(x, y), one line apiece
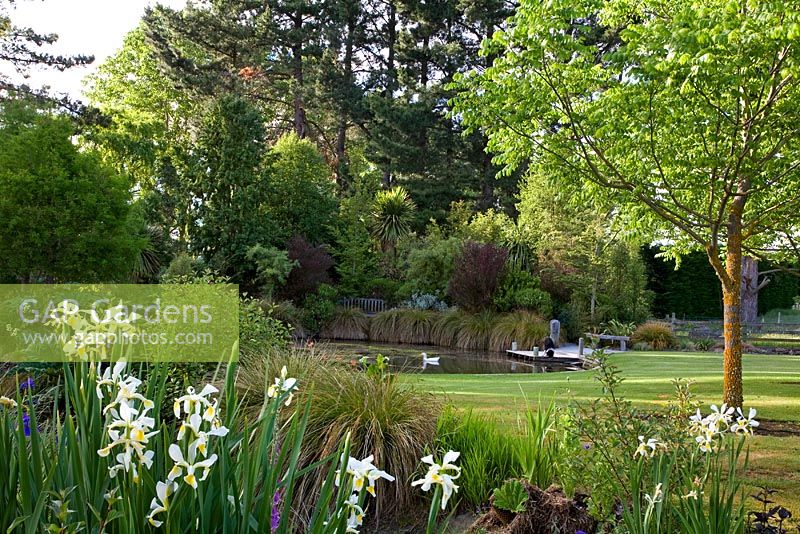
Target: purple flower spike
point(276, 516)
point(28, 384)
point(26, 424)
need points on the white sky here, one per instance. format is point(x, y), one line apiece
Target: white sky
point(91, 27)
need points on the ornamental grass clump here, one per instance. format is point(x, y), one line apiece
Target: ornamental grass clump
point(659, 336)
point(347, 323)
point(385, 418)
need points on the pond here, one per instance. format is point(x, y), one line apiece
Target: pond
point(408, 359)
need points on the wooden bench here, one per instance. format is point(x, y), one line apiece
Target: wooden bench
point(623, 340)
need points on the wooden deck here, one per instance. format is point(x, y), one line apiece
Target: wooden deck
point(561, 358)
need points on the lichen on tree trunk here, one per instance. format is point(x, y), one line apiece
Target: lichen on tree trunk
point(732, 314)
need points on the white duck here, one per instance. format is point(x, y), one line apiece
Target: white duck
point(430, 361)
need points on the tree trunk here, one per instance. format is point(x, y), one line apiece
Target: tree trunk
point(300, 123)
point(732, 304)
point(750, 289)
point(342, 171)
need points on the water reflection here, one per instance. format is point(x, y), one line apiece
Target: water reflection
point(436, 360)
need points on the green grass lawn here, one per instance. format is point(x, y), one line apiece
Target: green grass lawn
point(771, 385)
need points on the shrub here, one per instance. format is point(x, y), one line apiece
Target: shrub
point(347, 323)
point(658, 335)
point(430, 265)
point(488, 455)
point(257, 329)
point(286, 312)
point(524, 327)
point(704, 344)
point(424, 301)
point(520, 290)
point(310, 270)
point(318, 308)
point(618, 328)
point(272, 267)
point(476, 275)
point(641, 347)
point(181, 265)
point(475, 330)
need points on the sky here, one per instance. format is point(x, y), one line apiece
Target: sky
point(90, 27)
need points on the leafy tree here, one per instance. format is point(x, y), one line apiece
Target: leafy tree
point(65, 214)
point(392, 212)
point(148, 115)
point(300, 192)
point(430, 262)
point(272, 267)
point(21, 48)
point(583, 254)
point(686, 120)
point(229, 185)
point(356, 252)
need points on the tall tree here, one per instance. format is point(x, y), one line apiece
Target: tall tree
point(25, 48)
point(64, 213)
point(688, 122)
point(229, 186)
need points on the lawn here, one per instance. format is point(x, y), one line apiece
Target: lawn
point(772, 386)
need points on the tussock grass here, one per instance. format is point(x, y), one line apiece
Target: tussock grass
point(383, 327)
point(385, 416)
point(414, 326)
point(658, 335)
point(475, 330)
point(526, 328)
point(445, 328)
point(347, 323)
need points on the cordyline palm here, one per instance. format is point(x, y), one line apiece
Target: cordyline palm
point(392, 214)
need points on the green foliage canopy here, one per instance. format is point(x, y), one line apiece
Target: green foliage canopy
point(64, 213)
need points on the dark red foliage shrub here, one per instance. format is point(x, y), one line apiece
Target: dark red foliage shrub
point(311, 271)
point(476, 275)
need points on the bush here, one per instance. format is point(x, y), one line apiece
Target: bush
point(430, 265)
point(526, 328)
point(476, 275)
point(658, 335)
point(424, 302)
point(310, 270)
point(704, 344)
point(272, 267)
point(318, 308)
point(257, 329)
point(181, 265)
point(519, 290)
point(347, 323)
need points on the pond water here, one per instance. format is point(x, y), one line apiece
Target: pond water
point(408, 359)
